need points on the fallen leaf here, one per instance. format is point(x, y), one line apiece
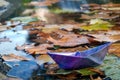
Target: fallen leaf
point(40, 49)
point(62, 38)
point(110, 36)
point(35, 24)
point(72, 49)
point(98, 78)
point(115, 49)
point(70, 76)
point(12, 57)
point(97, 26)
point(25, 20)
point(3, 27)
point(97, 71)
point(25, 46)
point(43, 3)
point(109, 5)
point(70, 40)
point(41, 59)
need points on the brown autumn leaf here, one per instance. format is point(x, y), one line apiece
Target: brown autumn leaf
point(36, 3)
point(117, 27)
point(40, 49)
point(111, 5)
point(90, 5)
point(41, 37)
point(36, 24)
point(115, 49)
point(43, 3)
point(84, 16)
point(100, 15)
point(25, 46)
point(98, 78)
point(110, 36)
point(69, 26)
point(13, 57)
point(72, 49)
point(32, 49)
point(50, 28)
point(3, 27)
point(106, 16)
point(51, 68)
point(34, 31)
point(41, 59)
point(62, 38)
point(69, 39)
point(97, 71)
point(70, 76)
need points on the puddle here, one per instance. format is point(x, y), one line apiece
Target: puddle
point(16, 38)
point(22, 69)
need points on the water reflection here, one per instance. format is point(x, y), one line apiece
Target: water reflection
point(71, 5)
point(19, 37)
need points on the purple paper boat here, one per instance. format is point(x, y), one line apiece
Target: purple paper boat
point(82, 59)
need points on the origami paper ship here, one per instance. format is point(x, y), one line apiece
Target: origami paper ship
point(82, 59)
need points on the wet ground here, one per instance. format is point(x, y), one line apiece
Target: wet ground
point(30, 68)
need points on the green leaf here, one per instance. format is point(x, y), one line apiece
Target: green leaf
point(25, 19)
point(85, 72)
point(56, 47)
point(97, 24)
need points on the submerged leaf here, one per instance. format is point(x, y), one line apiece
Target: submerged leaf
point(12, 57)
point(5, 39)
point(44, 59)
point(111, 66)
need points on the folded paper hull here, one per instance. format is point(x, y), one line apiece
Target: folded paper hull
point(83, 59)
